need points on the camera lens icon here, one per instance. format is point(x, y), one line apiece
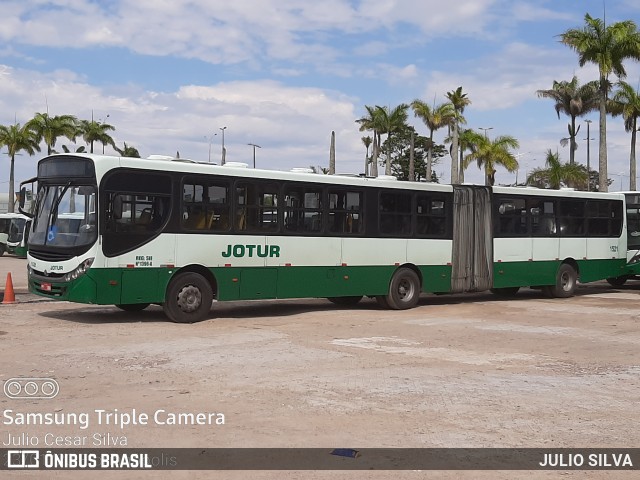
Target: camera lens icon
point(22, 387)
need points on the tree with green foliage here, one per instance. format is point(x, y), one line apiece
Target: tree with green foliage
point(93, 131)
point(459, 101)
point(626, 103)
point(127, 151)
point(434, 117)
point(558, 174)
point(17, 138)
point(372, 122)
point(399, 146)
point(392, 120)
point(49, 128)
point(489, 154)
point(606, 46)
point(574, 100)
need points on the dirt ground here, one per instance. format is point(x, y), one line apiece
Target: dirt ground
point(458, 371)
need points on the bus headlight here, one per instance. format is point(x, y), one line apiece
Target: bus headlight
point(80, 270)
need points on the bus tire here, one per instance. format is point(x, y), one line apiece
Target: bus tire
point(617, 281)
point(133, 307)
point(404, 290)
point(2, 249)
point(566, 282)
point(189, 298)
point(345, 301)
point(505, 291)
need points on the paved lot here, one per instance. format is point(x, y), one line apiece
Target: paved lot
point(458, 371)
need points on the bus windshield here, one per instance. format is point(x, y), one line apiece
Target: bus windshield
point(16, 230)
point(65, 216)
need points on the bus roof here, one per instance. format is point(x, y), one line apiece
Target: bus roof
point(105, 163)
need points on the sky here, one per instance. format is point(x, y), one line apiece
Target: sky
point(284, 74)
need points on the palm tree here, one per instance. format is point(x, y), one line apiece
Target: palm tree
point(557, 173)
point(459, 101)
point(391, 119)
point(573, 100)
point(626, 102)
point(93, 131)
point(468, 139)
point(367, 143)
point(434, 118)
point(492, 153)
point(372, 122)
point(49, 128)
point(127, 151)
point(17, 138)
point(607, 47)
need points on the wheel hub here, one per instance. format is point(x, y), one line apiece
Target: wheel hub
point(189, 299)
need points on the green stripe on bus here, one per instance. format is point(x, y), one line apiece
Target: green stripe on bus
point(148, 285)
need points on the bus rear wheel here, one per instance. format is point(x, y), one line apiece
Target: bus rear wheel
point(133, 307)
point(189, 298)
point(345, 301)
point(404, 290)
point(566, 282)
point(617, 281)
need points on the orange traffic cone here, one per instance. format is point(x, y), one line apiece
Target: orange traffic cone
point(9, 295)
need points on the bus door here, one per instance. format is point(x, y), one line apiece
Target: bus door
point(472, 246)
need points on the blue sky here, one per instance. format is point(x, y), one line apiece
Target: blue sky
point(284, 73)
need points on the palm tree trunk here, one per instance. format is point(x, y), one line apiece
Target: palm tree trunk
point(602, 153)
point(387, 166)
point(461, 169)
point(429, 157)
point(11, 186)
point(454, 155)
point(376, 147)
point(332, 154)
point(572, 144)
point(412, 162)
point(632, 158)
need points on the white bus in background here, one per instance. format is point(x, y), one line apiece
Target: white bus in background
point(182, 234)
point(632, 269)
point(13, 233)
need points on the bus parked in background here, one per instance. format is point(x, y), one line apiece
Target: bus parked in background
point(14, 229)
point(134, 232)
point(632, 269)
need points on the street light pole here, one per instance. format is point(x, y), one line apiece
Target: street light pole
point(254, 152)
point(223, 150)
point(485, 130)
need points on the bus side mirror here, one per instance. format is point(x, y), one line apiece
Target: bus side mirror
point(23, 195)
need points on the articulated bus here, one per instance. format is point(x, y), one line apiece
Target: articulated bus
point(134, 232)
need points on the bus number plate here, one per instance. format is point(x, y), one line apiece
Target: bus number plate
point(46, 287)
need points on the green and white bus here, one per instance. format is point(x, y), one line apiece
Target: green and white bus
point(632, 269)
point(14, 229)
point(133, 232)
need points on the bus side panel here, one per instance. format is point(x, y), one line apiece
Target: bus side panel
point(606, 258)
point(524, 274)
point(433, 258)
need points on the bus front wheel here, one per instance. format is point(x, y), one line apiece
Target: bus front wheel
point(404, 290)
point(189, 298)
point(566, 282)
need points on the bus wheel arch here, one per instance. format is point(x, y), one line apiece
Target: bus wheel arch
point(189, 295)
point(404, 288)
